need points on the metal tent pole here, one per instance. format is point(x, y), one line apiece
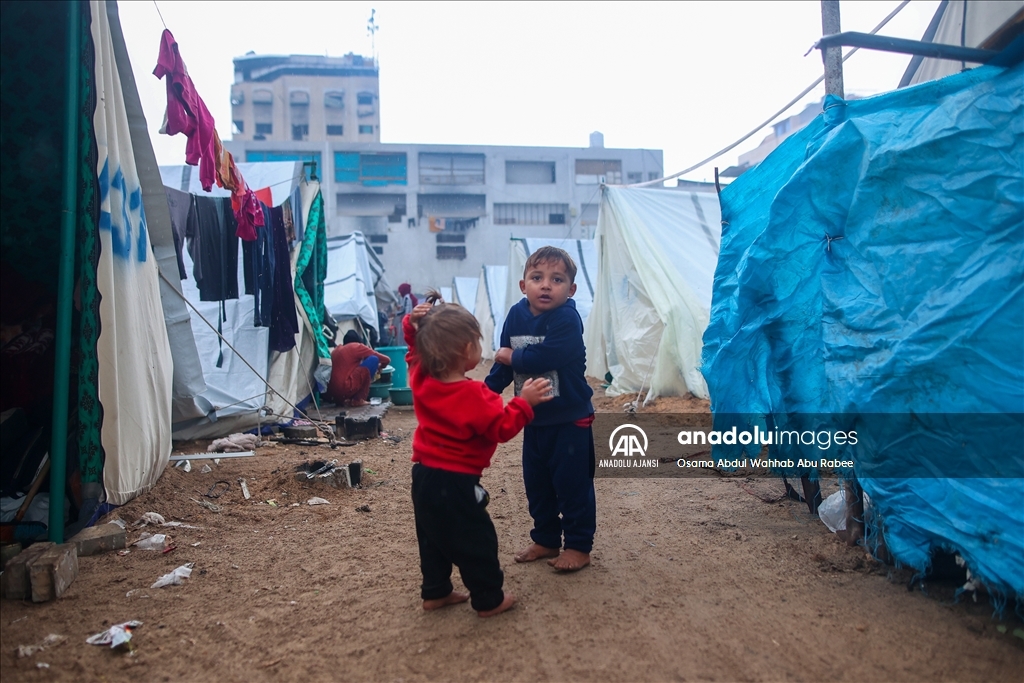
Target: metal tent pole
point(65, 283)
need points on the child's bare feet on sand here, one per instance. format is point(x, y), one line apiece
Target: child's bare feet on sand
point(505, 605)
point(535, 552)
point(452, 598)
point(570, 561)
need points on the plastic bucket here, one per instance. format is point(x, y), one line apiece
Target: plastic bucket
point(400, 377)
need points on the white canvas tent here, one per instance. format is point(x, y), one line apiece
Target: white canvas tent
point(582, 252)
point(355, 287)
point(657, 252)
point(490, 308)
point(464, 292)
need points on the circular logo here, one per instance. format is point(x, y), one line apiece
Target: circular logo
point(628, 443)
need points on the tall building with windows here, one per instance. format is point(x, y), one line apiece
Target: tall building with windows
point(431, 212)
point(305, 98)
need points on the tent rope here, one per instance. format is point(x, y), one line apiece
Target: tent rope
point(771, 118)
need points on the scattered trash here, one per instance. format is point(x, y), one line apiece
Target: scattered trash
point(150, 518)
point(326, 467)
point(245, 488)
point(151, 542)
point(118, 634)
point(832, 511)
point(318, 501)
point(181, 525)
point(49, 641)
point(188, 466)
point(135, 592)
point(207, 504)
point(363, 508)
point(124, 552)
point(218, 489)
point(42, 665)
point(169, 549)
point(234, 443)
point(206, 469)
point(119, 522)
point(175, 577)
point(295, 505)
point(272, 503)
point(197, 544)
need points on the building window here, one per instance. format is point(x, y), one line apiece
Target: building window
point(451, 237)
point(300, 131)
point(264, 129)
point(334, 99)
point(588, 214)
point(530, 214)
point(365, 130)
point(529, 172)
point(595, 171)
point(364, 98)
point(451, 252)
point(370, 169)
point(451, 169)
point(378, 239)
point(632, 177)
point(237, 98)
point(308, 159)
point(335, 130)
point(451, 206)
point(237, 126)
point(378, 250)
point(653, 175)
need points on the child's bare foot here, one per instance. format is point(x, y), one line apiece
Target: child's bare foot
point(570, 561)
point(505, 605)
point(535, 552)
point(452, 598)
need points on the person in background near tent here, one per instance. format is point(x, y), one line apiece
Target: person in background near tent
point(409, 302)
point(543, 337)
point(461, 424)
point(353, 367)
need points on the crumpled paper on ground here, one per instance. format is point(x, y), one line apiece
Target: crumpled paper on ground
point(117, 634)
point(48, 641)
point(235, 443)
point(175, 577)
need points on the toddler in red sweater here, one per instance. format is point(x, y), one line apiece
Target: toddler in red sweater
point(461, 422)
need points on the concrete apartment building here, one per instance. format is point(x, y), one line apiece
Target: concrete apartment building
point(431, 212)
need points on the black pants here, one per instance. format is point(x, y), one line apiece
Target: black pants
point(453, 528)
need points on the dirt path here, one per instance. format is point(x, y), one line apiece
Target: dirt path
point(693, 579)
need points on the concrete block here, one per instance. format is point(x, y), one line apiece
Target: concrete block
point(53, 572)
point(98, 539)
point(15, 582)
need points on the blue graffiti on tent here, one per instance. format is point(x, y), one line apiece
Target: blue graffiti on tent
point(131, 208)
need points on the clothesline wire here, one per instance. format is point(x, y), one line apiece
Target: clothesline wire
point(159, 14)
point(327, 435)
point(771, 118)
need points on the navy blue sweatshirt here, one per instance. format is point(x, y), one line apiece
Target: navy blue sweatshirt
point(548, 345)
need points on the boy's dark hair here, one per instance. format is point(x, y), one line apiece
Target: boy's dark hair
point(549, 254)
point(352, 337)
point(443, 335)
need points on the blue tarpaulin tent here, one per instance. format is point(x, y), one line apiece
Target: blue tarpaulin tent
point(872, 273)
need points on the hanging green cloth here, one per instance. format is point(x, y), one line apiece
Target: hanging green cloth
point(310, 271)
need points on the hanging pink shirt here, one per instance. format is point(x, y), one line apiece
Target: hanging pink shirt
point(186, 111)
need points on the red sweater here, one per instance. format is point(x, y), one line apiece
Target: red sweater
point(460, 423)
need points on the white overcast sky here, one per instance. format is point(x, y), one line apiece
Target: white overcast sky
point(684, 77)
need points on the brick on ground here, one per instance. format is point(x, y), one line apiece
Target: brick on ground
point(53, 572)
point(15, 582)
point(98, 539)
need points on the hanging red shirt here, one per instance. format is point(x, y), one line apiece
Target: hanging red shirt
point(186, 111)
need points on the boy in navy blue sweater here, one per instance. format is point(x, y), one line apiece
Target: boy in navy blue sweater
point(543, 337)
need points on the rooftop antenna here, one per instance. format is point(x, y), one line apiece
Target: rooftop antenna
point(371, 30)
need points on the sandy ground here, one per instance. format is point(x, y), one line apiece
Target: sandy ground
point(693, 579)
